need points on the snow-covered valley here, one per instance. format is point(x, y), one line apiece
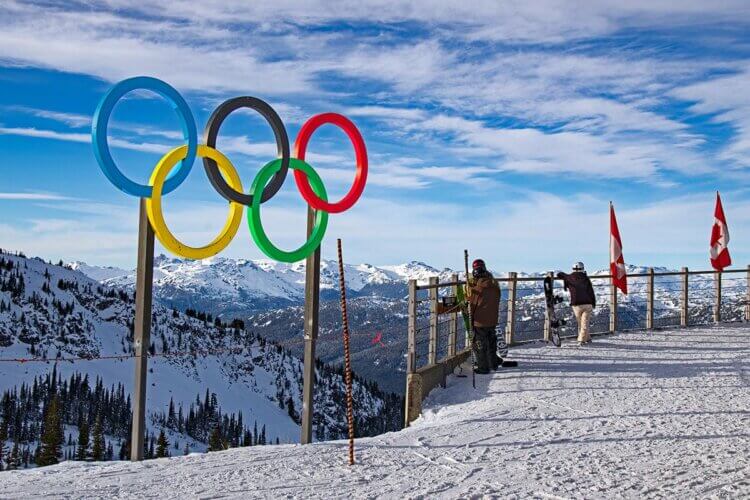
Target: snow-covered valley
point(54, 318)
point(634, 415)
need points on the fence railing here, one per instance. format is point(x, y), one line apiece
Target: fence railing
point(438, 342)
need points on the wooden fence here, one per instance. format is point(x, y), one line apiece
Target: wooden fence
point(656, 300)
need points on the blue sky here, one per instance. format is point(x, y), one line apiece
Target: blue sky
point(502, 127)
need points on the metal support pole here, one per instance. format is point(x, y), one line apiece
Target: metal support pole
point(510, 329)
point(547, 318)
point(650, 299)
point(717, 305)
point(747, 296)
point(684, 318)
point(453, 325)
point(433, 295)
point(142, 331)
point(312, 310)
point(613, 308)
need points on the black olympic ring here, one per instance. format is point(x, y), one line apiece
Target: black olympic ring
point(282, 144)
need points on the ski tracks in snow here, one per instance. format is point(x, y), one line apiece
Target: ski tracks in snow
point(636, 415)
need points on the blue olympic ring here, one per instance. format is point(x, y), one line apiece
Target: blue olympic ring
point(101, 146)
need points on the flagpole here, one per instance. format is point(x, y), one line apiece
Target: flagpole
point(613, 289)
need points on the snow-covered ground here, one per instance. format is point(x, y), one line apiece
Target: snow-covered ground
point(636, 415)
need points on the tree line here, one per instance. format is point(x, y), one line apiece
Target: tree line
point(37, 417)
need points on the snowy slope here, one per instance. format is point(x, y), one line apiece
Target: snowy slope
point(59, 312)
point(647, 415)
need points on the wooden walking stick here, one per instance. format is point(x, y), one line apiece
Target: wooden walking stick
point(347, 357)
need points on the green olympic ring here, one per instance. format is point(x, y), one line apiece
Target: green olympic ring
point(253, 215)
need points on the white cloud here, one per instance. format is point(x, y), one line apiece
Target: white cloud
point(83, 138)
point(112, 47)
point(33, 196)
point(72, 120)
point(514, 233)
point(726, 98)
point(384, 112)
point(511, 20)
point(573, 108)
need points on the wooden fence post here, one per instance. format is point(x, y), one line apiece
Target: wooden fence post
point(453, 325)
point(547, 319)
point(613, 308)
point(650, 300)
point(142, 329)
point(684, 318)
point(411, 359)
point(510, 329)
point(433, 294)
point(413, 396)
point(717, 305)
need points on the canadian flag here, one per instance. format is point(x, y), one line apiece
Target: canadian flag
point(616, 260)
point(720, 238)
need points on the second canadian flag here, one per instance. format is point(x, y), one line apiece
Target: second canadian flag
point(616, 260)
point(720, 238)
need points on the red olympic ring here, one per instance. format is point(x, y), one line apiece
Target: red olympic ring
point(360, 152)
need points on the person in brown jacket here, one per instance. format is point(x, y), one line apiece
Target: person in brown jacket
point(484, 300)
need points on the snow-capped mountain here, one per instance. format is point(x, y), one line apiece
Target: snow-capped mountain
point(269, 296)
point(56, 317)
point(238, 287)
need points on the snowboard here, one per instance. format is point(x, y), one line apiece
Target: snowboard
point(551, 299)
point(502, 350)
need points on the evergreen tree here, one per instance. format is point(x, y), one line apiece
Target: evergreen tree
point(98, 448)
point(52, 437)
point(3, 438)
point(162, 445)
point(82, 452)
point(124, 450)
point(186, 451)
point(14, 459)
point(290, 409)
point(214, 441)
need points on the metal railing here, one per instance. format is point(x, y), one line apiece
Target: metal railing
point(437, 343)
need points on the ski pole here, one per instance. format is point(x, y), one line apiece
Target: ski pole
point(471, 319)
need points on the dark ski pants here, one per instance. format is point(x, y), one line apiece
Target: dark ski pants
point(485, 347)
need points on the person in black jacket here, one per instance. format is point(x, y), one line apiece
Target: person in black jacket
point(582, 298)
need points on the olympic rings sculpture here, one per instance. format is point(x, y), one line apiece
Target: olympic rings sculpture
point(168, 175)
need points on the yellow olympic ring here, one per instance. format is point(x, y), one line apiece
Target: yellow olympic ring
point(156, 216)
